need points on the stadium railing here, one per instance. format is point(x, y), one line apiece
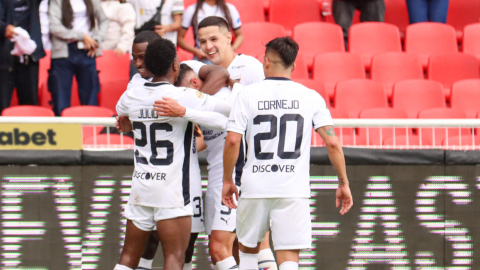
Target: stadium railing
point(416, 129)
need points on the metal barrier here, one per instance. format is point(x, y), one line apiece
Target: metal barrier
point(454, 134)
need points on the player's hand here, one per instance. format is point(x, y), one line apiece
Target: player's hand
point(343, 193)
point(9, 31)
point(200, 55)
point(169, 107)
point(161, 30)
point(197, 131)
point(229, 189)
point(231, 82)
point(123, 124)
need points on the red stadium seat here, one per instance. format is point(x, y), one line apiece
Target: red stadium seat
point(250, 11)
point(88, 111)
point(317, 86)
point(471, 40)
point(397, 13)
point(413, 96)
point(290, 13)
point(466, 141)
point(370, 38)
point(317, 37)
point(462, 13)
point(341, 114)
point(184, 55)
point(355, 96)
point(108, 140)
point(376, 136)
point(332, 68)
point(429, 38)
point(111, 66)
point(301, 69)
point(403, 141)
point(390, 68)
point(187, 3)
point(28, 110)
point(110, 93)
point(258, 34)
point(435, 136)
point(452, 67)
point(43, 67)
point(466, 97)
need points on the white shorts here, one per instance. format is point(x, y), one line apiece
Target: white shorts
point(145, 218)
point(196, 200)
point(218, 217)
point(288, 218)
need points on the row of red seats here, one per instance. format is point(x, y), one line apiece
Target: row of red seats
point(290, 13)
point(365, 39)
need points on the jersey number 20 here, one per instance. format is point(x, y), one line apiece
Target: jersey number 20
point(154, 144)
point(272, 119)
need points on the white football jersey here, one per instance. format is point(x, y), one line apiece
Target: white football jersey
point(163, 145)
point(277, 116)
point(246, 70)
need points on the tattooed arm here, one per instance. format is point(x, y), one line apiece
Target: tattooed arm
point(335, 153)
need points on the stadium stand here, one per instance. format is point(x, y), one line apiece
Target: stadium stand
point(257, 34)
point(187, 3)
point(452, 67)
point(435, 137)
point(376, 136)
point(426, 39)
point(390, 68)
point(461, 13)
point(403, 140)
point(471, 40)
point(88, 111)
point(290, 13)
point(43, 67)
point(108, 139)
point(396, 13)
point(357, 95)
point(370, 38)
point(466, 97)
point(111, 66)
point(316, 37)
point(317, 86)
point(413, 96)
point(465, 140)
point(250, 11)
point(28, 110)
point(111, 91)
point(331, 68)
point(301, 68)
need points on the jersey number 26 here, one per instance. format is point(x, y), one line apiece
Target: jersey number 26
point(154, 144)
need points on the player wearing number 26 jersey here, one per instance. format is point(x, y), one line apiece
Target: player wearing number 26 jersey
point(276, 116)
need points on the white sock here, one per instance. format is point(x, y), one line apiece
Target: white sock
point(188, 266)
point(248, 261)
point(228, 263)
point(121, 267)
point(144, 264)
point(266, 260)
point(289, 265)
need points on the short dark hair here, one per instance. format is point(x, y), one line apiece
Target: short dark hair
point(159, 56)
point(146, 36)
point(285, 47)
point(184, 69)
point(214, 21)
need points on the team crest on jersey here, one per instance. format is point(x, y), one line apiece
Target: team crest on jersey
point(200, 94)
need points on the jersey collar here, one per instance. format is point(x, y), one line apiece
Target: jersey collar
point(155, 84)
point(278, 78)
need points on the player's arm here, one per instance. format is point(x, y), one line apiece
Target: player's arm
point(335, 153)
point(230, 157)
point(214, 77)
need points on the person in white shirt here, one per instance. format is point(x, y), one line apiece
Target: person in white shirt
point(160, 196)
point(120, 32)
point(195, 13)
point(277, 115)
point(171, 16)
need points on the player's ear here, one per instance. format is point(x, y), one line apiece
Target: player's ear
point(195, 83)
point(176, 65)
point(229, 37)
point(294, 66)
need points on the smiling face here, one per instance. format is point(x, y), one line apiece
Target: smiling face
point(138, 54)
point(215, 42)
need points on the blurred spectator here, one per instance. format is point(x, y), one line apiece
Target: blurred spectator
point(195, 13)
point(170, 16)
point(19, 71)
point(47, 45)
point(370, 11)
point(120, 32)
point(75, 44)
point(427, 10)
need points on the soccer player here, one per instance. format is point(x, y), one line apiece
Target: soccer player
point(276, 116)
point(160, 194)
point(216, 42)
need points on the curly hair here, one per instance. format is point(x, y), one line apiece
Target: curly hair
point(159, 56)
point(146, 36)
